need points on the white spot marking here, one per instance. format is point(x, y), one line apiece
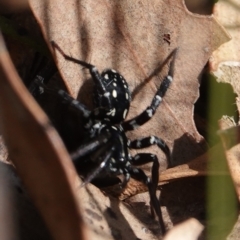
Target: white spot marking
point(113, 160)
point(41, 90)
point(106, 76)
point(136, 157)
point(169, 78)
point(159, 98)
point(114, 84)
point(125, 86)
point(125, 113)
point(134, 124)
point(112, 112)
point(114, 169)
point(102, 164)
point(120, 128)
point(113, 70)
point(126, 95)
point(107, 94)
point(149, 112)
point(114, 128)
point(139, 144)
point(74, 102)
point(114, 93)
point(40, 78)
point(101, 127)
point(97, 125)
point(152, 140)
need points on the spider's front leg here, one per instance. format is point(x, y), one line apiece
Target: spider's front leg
point(147, 114)
point(38, 86)
point(74, 104)
point(97, 78)
point(42, 78)
point(111, 93)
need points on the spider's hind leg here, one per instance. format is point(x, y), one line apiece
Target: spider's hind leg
point(125, 180)
point(91, 146)
point(143, 158)
point(105, 158)
point(94, 161)
point(149, 141)
point(139, 175)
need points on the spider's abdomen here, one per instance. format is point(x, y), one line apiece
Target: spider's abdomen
point(120, 156)
point(117, 95)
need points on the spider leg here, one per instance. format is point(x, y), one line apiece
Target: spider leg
point(93, 71)
point(38, 86)
point(104, 162)
point(90, 146)
point(143, 158)
point(42, 77)
point(74, 104)
point(126, 179)
point(139, 175)
point(149, 141)
point(38, 63)
point(147, 114)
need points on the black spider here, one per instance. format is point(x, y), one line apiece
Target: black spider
point(106, 147)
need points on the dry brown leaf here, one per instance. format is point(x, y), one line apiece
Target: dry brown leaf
point(195, 168)
point(110, 218)
point(226, 67)
point(225, 62)
point(230, 136)
point(227, 13)
point(188, 230)
point(131, 37)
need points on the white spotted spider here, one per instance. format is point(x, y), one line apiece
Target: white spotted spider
point(105, 151)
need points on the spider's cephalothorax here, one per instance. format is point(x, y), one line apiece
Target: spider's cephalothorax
point(114, 97)
point(106, 146)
